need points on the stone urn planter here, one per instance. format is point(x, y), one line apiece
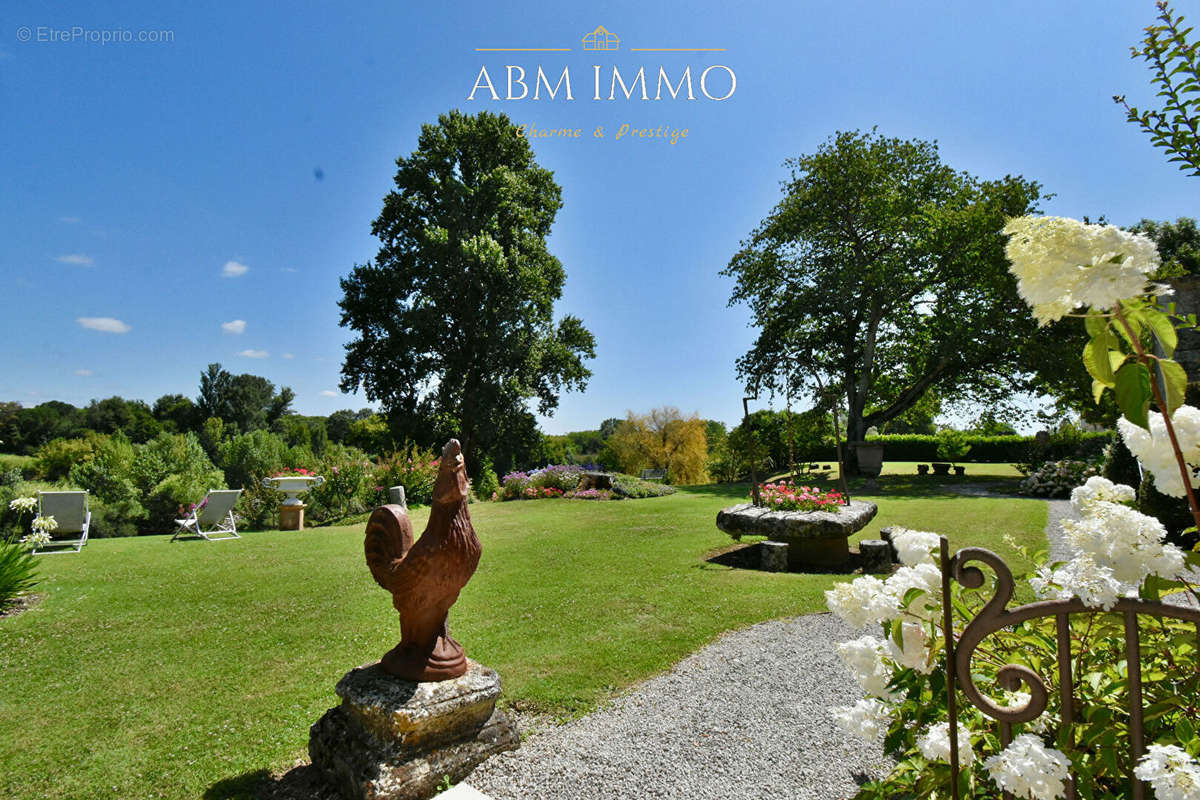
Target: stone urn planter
point(291, 510)
point(293, 486)
point(813, 538)
point(870, 458)
point(960, 471)
point(922, 469)
point(941, 468)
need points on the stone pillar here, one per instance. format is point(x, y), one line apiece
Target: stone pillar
point(875, 555)
point(392, 739)
point(773, 556)
point(396, 496)
point(291, 518)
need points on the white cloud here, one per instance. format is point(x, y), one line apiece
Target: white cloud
point(83, 373)
point(254, 353)
point(235, 326)
point(78, 259)
point(328, 393)
point(288, 356)
point(105, 324)
point(233, 269)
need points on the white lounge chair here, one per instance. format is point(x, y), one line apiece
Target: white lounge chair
point(212, 518)
point(70, 511)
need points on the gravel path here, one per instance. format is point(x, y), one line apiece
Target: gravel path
point(746, 717)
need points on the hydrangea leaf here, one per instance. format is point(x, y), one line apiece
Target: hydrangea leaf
point(1133, 393)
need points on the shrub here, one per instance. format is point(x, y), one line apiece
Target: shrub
point(246, 459)
point(513, 485)
point(54, 459)
point(411, 467)
point(488, 484)
point(115, 500)
point(18, 572)
point(348, 488)
point(952, 445)
point(169, 471)
point(627, 486)
point(1058, 478)
point(564, 477)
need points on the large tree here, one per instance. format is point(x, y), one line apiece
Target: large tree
point(881, 275)
point(248, 402)
point(454, 315)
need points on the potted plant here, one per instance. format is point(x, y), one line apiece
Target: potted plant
point(951, 446)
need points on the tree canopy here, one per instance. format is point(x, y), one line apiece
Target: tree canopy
point(454, 316)
point(882, 273)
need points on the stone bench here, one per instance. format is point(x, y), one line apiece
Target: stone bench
point(814, 538)
point(657, 475)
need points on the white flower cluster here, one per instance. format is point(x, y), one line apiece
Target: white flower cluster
point(1018, 699)
point(1171, 771)
point(915, 547)
point(864, 658)
point(934, 744)
point(44, 524)
point(914, 651)
point(1028, 768)
point(867, 718)
point(1113, 548)
point(23, 505)
point(867, 600)
point(1063, 264)
point(1099, 489)
point(1153, 447)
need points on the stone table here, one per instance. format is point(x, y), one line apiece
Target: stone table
point(814, 538)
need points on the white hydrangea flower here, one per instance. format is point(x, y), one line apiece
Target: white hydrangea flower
point(914, 651)
point(915, 547)
point(922, 576)
point(1099, 489)
point(867, 718)
point(1126, 541)
point(1083, 578)
point(864, 658)
point(1019, 699)
point(934, 744)
point(861, 602)
point(23, 505)
point(1153, 447)
point(1171, 771)
point(1063, 264)
point(1028, 768)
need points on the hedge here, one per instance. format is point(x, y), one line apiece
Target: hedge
point(985, 449)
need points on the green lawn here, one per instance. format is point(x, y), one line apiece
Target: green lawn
point(194, 669)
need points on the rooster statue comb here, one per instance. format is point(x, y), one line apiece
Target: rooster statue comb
point(425, 577)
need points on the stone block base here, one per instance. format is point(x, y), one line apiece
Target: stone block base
point(773, 556)
point(393, 739)
point(876, 556)
point(291, 518)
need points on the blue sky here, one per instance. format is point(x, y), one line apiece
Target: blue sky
point(162, 192)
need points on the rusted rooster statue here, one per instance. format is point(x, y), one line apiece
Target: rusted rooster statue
point(425, 578)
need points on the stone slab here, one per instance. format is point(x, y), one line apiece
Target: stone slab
point(291, 518)
point(785, 526)
point(392, 739)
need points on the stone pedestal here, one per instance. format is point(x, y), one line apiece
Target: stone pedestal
point(875, 555)
point(773, 556)
point(392, 739)
point(291, 518)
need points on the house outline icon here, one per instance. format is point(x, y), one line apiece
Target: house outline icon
point(601, 39)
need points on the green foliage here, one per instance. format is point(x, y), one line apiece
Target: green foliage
point(861, 274)
point(630, 487)
point(244, 402)
point(1176, 126)
point(663, 439)
point(246, 459)
point(412, 467)
point(54, 459)
point(952, 445)
point(115, 499)
point(487, 485)
point(118, 415)
point(454, 317)
point(170, 471)
point(1067, 442)
point(18, 572)
point(370, 433)
point(349, 487)
point(1178, 245)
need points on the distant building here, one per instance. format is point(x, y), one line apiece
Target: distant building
point(601, 39)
